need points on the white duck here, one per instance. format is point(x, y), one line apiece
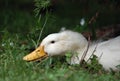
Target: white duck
point(108, 52)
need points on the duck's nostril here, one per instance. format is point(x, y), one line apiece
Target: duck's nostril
point(46, 53)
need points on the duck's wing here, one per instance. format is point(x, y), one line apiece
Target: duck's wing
point(113, 45)
point(110, 53)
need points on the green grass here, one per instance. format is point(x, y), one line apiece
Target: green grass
point(15, 45)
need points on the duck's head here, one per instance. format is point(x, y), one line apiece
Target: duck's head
point(57, 44)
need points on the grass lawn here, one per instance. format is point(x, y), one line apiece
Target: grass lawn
point(16, 33)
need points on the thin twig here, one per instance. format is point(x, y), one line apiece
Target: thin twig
point(85, 52)
point(93, 19)
point(100, 56)
point(92, 53)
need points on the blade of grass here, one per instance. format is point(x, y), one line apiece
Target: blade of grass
point(46, 19)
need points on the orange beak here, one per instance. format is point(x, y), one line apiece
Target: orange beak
point(36, 54)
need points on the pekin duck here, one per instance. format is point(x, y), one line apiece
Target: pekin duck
point(60, 43)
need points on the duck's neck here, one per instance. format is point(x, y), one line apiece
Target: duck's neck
point(76, 58)
point(88, 49)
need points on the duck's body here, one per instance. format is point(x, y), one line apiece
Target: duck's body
point(108, 52)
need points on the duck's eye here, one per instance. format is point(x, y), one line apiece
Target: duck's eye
point(52, 42)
